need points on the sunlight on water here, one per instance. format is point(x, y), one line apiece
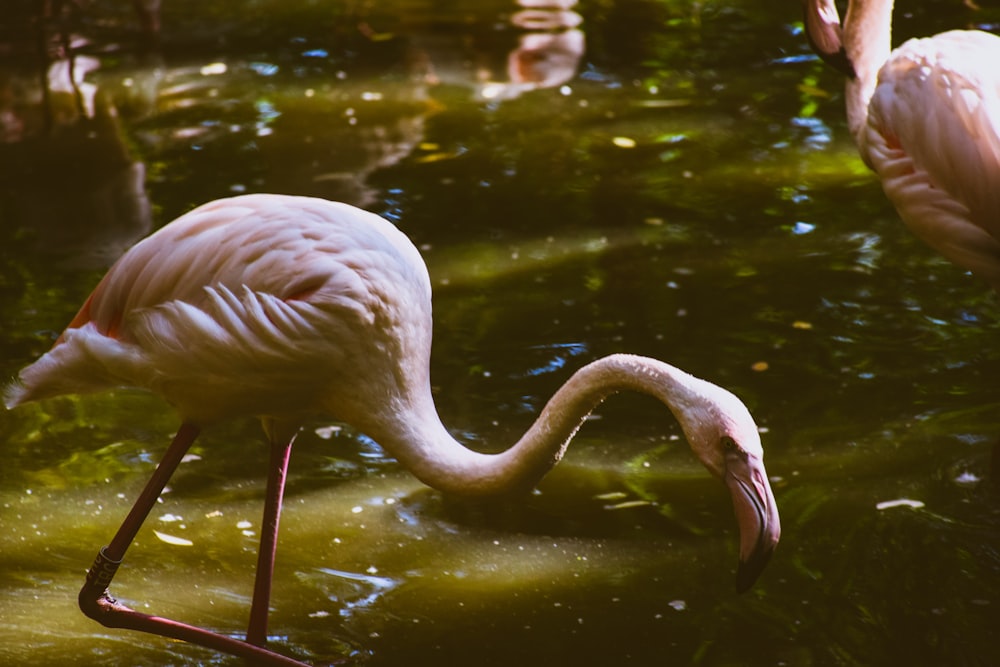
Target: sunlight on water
point(645, 176)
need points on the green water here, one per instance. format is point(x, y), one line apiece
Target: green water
point(682, 185)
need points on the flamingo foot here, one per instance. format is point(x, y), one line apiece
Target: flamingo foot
point(98, 604)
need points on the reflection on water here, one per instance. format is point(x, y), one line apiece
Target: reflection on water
point(582, 178)
point(547, 53)
point(353, 590)
point(70, 181)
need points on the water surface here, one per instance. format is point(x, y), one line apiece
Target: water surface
point(664, 178)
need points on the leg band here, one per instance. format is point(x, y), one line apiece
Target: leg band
point(101, 573)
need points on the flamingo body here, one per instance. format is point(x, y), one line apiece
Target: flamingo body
point(288, 307)
point(279, 292)
point(933, 137)
point(926, 118)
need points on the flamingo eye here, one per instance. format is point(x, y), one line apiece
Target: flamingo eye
point(729, 444)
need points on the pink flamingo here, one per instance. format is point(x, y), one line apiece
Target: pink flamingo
point(926, 119)
point(285, 307)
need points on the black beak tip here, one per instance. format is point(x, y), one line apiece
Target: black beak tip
point(748, 570)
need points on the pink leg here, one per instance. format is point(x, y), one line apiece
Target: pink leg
point(110, 557)
point(97, 603)
point(276, 474)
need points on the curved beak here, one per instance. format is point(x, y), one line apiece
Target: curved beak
point(822, 23)
point(756, 513)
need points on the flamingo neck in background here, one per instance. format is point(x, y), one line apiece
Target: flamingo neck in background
point(868, 42)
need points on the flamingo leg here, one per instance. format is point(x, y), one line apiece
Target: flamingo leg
point(276, 475)
point(110, 557)
point(96, 602)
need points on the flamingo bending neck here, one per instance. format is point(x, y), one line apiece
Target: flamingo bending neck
point(425, 447)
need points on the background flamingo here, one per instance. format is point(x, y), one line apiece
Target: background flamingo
point(926, 119)
point(285, 307)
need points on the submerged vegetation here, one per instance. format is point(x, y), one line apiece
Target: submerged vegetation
point(681, 184)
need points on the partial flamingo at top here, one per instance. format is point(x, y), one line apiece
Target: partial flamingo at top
point(926, 118)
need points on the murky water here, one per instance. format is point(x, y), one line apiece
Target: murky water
point(665, 178)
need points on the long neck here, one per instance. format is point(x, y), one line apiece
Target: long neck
point(867, 41)
point(424, 447)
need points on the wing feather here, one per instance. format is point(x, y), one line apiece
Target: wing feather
point(251, 305)
point(933, 137)
point(938, 101)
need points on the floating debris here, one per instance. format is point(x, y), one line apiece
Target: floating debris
point(899, 502)
point(173, 540)
point(967, 478)
point(213, 69)
point(327, 432)
point(612, 495)
point(628, 504)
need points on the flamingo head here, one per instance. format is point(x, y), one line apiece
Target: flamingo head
point(723, 435)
